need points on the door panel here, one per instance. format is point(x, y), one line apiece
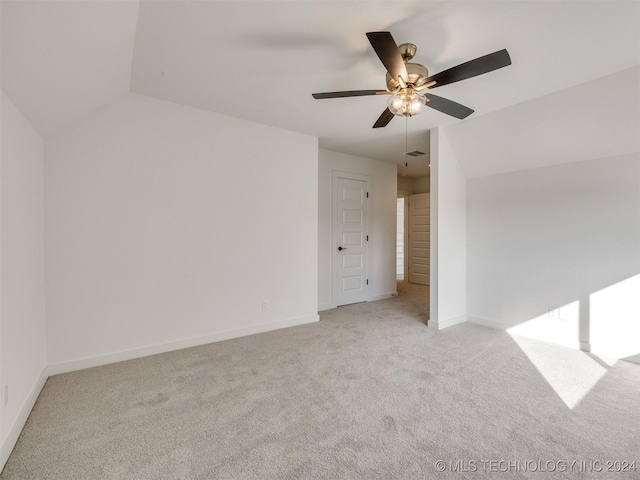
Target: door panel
point(351, 228)
point(351, 261)
point(350, 194)
point(352, 284)
point(352, 239)
point(351, 217)
point(419, 243)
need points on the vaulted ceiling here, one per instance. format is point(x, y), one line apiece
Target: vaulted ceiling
point(261, 60)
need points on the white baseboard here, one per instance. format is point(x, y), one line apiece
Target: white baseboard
point(585, 346)
point(440, 325)
point(73, 365)
point(382, 296)
point(485, 322)
point(18, 425)
point(325, 306)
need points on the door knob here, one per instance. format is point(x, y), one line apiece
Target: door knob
point(340, 248)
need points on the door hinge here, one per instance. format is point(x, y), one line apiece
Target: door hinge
point(367, 194)
point(367, 238)
point(367, 281)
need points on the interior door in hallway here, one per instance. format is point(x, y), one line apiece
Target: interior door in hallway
point(351, 240)
point(419, 221)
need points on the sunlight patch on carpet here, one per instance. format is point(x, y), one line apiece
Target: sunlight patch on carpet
point(571, 374)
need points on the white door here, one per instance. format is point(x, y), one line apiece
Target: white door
point(351, 238)
point(419, 221)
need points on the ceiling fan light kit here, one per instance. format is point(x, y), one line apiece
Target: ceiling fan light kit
point(407, 103)
point(405, 80)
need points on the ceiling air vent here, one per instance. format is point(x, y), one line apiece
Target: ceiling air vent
point(415, 153)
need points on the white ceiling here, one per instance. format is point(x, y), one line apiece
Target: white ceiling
point(597, 119)
point(262, 60)
point(62, 60)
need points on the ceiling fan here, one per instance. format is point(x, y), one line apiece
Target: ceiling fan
point(406, 81)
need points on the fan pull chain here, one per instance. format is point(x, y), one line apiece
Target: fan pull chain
point(406, 139)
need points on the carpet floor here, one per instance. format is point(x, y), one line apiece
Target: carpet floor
point(366, 393)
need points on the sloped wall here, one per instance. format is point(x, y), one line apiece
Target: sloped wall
point(168, 226)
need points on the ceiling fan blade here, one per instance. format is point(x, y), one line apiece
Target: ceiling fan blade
point(387, 50)
point(349, 93)
point(448, 106)
point(472, 68)
point(384, 119)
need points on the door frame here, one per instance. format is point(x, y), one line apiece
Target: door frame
point(335, 175)
point(406, 194)
point(405, 274)
point(405, 230)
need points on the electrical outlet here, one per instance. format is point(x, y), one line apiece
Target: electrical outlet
point(265, 304)
point(5, 394)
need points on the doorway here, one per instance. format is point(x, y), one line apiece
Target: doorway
point(401, 237)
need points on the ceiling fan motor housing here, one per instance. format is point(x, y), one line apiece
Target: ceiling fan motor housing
point(417, 75)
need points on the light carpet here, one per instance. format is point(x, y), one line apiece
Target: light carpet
point(367, 393)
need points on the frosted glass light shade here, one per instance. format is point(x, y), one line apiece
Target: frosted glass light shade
point(406, 104)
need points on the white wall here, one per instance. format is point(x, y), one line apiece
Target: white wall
point(22, 296)
point(152, 242)
point(405, 185)
point(422, 184)
point(412, 185)
point(548, 237)
point(382, 238)
point(448, 294)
